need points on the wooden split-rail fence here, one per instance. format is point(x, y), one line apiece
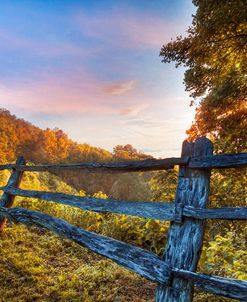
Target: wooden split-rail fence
point(175, 273)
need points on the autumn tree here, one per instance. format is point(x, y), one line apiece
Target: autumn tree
point(128, 152)
point(214, 53)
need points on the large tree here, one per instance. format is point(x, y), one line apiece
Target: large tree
point(214, 52)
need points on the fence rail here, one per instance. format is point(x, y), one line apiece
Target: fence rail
point(175, 273)
point(144, 209)
point(221, 161)
point(138, 260)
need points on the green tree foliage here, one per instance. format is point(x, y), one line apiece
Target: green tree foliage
point(214, 53)
point(163, 185)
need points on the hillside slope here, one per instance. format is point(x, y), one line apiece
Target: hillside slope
point(19, 137)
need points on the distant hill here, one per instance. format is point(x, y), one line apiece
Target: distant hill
point(19, 137)
point(38, 146)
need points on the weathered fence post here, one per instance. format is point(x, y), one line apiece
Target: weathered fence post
point(7, 200)
point(185, 236)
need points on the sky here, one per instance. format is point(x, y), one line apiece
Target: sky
point(92, 68)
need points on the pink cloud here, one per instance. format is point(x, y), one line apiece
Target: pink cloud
point(77, 93)
point(119, 88)
point(134, 109)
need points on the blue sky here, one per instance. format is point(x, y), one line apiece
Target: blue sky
point(92, 68)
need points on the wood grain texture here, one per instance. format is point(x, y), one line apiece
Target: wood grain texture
point(221, 161)
point(152, 210)
point(231, 288)
point(184, 239)
point(138, 260)
point(230, 213)
point(119, 167)
point(176, 273)
point(7, 199)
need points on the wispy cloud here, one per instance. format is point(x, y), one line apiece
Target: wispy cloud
point(118, 29)
point(144, 122)
point(71, 93)
point(126, 29)
point(93, 70)
point(119, 87)
point(135, 109)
